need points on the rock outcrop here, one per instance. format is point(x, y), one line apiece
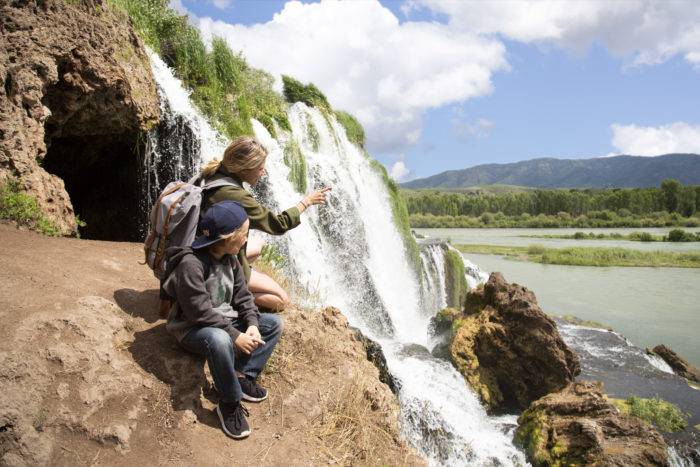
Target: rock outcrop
point(76, 92)
point(578, 426)
point(508, 350)
point(677, 363)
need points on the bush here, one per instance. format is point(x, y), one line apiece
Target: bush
point(535, 250)
point(24, 210)
point(680, 235)
point(309, 94)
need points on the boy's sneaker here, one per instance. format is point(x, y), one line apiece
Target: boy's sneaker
point(252, 392)
point(232, 416)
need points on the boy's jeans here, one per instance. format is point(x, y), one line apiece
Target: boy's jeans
point(223, 359)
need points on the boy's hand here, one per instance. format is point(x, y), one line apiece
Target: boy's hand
point(245, 343)
point(254, 332)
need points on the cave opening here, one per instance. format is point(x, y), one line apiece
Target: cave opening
point(95, 145)
point(102, 175)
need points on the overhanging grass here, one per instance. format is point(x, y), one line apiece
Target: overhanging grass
point(589, 256)
point(353, 128)
point(309, 94)
point(24, 210)
point(223, 86)
point(456, 282)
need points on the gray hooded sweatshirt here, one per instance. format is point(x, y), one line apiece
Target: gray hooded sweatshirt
point(206, 292)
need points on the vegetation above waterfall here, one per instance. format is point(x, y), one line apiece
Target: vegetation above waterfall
point(309, 94)
point(353, 128)
point(294, 159)
point(223, 85)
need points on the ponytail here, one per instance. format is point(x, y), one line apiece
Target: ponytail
point(210, 168)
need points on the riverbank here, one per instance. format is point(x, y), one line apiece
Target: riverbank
point(90, 375)
point(580, 256)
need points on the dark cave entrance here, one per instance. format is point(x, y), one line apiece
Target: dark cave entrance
point(102, 174)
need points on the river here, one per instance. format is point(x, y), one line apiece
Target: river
point(649, 306)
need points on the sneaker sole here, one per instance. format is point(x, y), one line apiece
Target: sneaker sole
point(244, 434)
point(248, 398)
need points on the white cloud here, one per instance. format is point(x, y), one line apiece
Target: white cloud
point(399, 171)
point(679, 137)
point(221, 4)
point(384, 72)
point(465, 130)
point(649, 32)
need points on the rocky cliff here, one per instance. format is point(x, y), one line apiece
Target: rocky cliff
point(77, 92)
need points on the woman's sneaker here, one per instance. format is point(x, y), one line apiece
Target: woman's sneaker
point(232, 416)
point(252, 392)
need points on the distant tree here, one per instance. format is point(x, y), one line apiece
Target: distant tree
point(686, 201)
point(671, 190)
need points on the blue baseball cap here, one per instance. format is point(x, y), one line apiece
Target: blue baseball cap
point(220, 220)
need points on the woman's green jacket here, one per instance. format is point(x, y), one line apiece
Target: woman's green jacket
point(260, 217)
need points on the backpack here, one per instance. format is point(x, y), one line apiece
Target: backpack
point(174, 217)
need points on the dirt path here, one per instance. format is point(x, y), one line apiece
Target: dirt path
point(90, 376)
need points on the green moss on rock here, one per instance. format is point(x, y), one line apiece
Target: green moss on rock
point(456, 282)
point(664, 415)
point(400, 214)
point(295, 160)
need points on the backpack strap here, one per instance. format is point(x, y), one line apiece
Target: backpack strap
point(219, 182)
point(160, 252)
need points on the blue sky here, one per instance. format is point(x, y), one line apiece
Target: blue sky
point(442, 86)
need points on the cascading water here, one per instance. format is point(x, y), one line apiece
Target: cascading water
point(432, 256)
point(350, 254)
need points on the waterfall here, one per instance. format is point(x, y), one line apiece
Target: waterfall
point(350, 254)
point(432, 256)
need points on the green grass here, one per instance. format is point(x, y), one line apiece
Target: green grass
point(353, 129)
point(223, 86)
point(662, 414)
point(309, 94)
point(295, 160)
point(576, 256)
point(24, 210)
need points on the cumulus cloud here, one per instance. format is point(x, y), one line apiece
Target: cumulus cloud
point(649, 32)
point(399, 171)
point(385, 72)
point(679, 137)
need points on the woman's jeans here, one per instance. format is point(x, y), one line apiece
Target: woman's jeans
point(223, 359)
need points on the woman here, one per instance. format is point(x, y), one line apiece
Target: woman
point(214, 315)
point(244, 161)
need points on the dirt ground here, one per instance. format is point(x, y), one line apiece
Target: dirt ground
point(90, 376)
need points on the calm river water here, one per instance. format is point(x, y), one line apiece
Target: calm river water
point(649, 306)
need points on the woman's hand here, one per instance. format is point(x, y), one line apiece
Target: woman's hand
point(317, 197)
point(246, 343)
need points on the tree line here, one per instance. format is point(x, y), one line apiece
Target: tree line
point(671, 197)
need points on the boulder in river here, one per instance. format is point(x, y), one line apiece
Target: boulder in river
point(677, 363)
point(579, 426)
point(508, 350)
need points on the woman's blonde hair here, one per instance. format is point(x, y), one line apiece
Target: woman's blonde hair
point(245, 153)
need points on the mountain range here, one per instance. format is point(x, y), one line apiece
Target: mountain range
point(600, 172)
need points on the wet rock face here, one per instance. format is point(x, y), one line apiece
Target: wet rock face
point(508, 350)
point(578, 426)
point(679, 365)
point(76, 92)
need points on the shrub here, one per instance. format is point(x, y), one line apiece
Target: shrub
point(24, 210)
point(680, 235)
point(535, 250)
